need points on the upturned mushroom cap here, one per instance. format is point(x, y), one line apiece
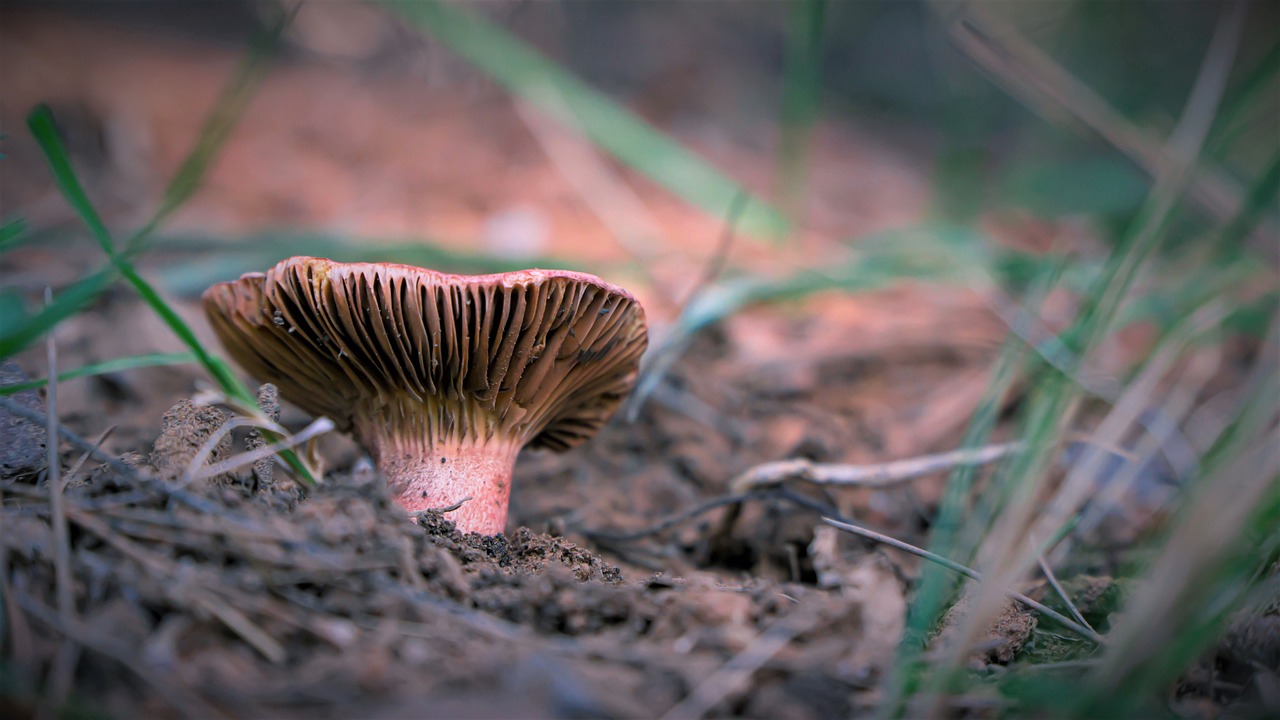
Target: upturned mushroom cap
point(538, 357)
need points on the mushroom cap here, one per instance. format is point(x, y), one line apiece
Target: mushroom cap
point(542, 357)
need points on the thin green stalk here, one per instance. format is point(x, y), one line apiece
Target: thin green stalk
point(801, 100)
point(230, 106)
point(113, 365)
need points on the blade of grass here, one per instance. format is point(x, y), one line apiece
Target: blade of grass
point(542, 82)
point(1256, 86)
point(946, 537)
point(235, 96)
point(11, 231)
point(1261, 198)
point(28, 328)
point(41, 124)
point(107, 366)
point(801, 93)
point(227, 111)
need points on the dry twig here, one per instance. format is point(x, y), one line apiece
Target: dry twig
point(875, 476)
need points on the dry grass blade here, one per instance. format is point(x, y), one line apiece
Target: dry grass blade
point(1081, 630)
point(603, 190)
point(658, 362)
point(1052, 577)
point(62, 673)
point(62, 542)
point(1206, 534)
point(198, 471)
point(234, 620)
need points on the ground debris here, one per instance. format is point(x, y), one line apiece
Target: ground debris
point(22, 442)
point(245, 606)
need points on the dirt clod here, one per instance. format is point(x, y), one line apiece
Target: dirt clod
point(22, 442)
point(184, 430)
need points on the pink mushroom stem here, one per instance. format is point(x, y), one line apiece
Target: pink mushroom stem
point(448, 473)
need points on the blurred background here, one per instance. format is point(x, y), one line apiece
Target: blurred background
point(792, 148)
point(845, 203)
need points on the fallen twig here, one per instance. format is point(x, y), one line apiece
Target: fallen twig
point(879, 475)
point(58, 515)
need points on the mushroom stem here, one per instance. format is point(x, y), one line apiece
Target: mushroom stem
point(447, 472)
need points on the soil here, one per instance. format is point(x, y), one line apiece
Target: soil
point(249, 596)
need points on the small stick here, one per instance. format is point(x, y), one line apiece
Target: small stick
point(61, 536)
point(879, 475)
point(84, 455)
point(1065, 621)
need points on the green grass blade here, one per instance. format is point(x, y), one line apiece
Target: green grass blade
point(42, 126)
point(11, 231)
point(51, 145)
point(801, 94)
point(542, 82)
point(227, 111)
point(230, 107)
point(107, 366)
point(18, 333)
point(1257, 86)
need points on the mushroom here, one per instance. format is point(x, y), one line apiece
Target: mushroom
point(442, 378)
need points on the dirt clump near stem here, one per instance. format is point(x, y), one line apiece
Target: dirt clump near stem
point(183, 432)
